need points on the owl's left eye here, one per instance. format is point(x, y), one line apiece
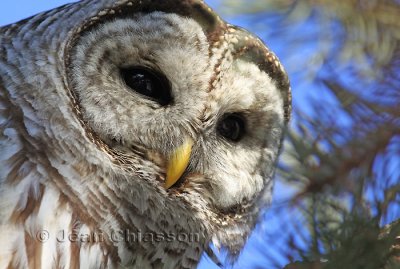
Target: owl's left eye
point(232, 127)
point(149, 83)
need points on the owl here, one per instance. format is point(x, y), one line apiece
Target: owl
point(134, 134)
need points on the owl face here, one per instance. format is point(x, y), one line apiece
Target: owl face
point(146, 115)
point(202, 102)
point(147, 82)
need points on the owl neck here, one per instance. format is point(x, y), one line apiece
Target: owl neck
point(54, 221)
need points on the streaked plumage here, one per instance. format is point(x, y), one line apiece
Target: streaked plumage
point(82, 154)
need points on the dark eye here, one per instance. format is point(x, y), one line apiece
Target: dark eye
point(232, 127)
point(148, 83)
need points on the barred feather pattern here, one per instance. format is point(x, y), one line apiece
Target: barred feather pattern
point(73, 197)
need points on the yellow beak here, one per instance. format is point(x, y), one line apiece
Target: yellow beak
point(178, 162)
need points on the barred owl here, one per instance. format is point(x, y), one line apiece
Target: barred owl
point(134, 133)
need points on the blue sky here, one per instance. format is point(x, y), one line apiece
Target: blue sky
point(12, 11)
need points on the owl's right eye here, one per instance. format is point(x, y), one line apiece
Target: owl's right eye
point(149, 83)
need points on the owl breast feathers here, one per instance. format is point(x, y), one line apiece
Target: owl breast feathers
point(134, 134)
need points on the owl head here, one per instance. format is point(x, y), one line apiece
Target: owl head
point(169, 115)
